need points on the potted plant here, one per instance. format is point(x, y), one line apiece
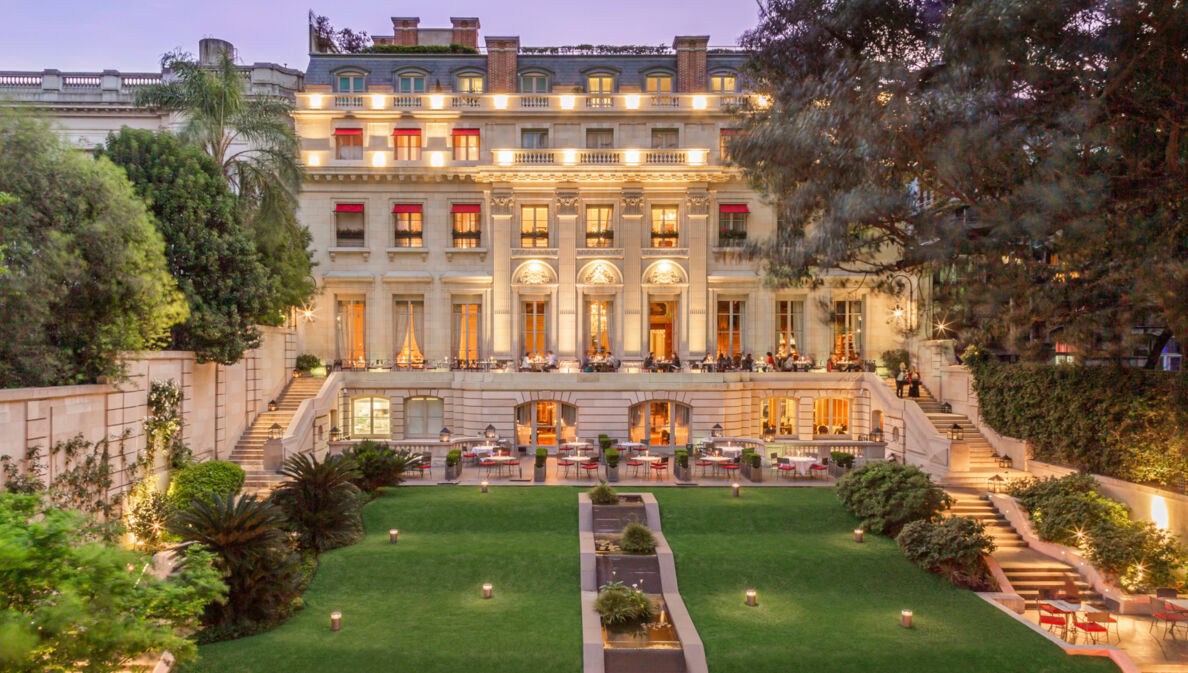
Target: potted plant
point(637, 539)
point(744, 462)
point(604, 443)
point(453, 464)
point(538, 470)
point(682, 465)
point(756, 467)
point(612, 464)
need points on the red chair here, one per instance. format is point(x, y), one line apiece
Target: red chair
point(660, 468)
point(635, 465)
point(469, 457)
point(1170, 616)
point(705, 465)
point(1097, 623)
point(730, 468)
point(564, 463)
point(590, 467)
point(785, 470)
point(818, 471)
point(489, 464)
point(1054, 622)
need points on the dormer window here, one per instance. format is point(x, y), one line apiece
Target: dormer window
point(534, 84)
point(351, 82)
point(723, 83)
point(472, 84)
point(600, 84)
point(659, 83)
point(410, 84)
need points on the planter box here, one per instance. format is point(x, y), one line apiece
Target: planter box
point(755, 473)
point(612, 518)
point(538, 473)
point(682, 473)
point(612, 474)
point(452, 472)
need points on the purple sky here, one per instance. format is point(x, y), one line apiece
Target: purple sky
point(73, 35)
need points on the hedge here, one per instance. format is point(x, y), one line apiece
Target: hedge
point(1120, 422)
point(203, 480)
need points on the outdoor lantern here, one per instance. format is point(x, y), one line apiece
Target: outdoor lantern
point(393, 535)
point(735, 489)
point(335, 621)
point(274, 432)
point(716, 431)
point(487, 590)
point(955, 432)
point(296, 373)
point(752, 598)
point(946, 408)
point(335, 433)
point(489, 433)
point(445, 435)
point(905, 618)
point(994, 484)
point(272, 405)
point(769, 434)
point(876, 435)
point(483, 485)
point(858, 535)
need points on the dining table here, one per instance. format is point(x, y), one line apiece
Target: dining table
point(503, 461)
point(484, 450)
point(801, 463)
point(717, 461)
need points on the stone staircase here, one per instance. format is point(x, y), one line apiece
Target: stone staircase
point(978, 506)
point(249, 451)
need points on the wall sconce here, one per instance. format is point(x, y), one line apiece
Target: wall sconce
point(379, 159)
point(769, 434)
point(716, 431)
point(436, 101)
point(735, 489)
point(752, 598)
point(393, 535)
point(696, 157)
point(436, 159)
point(378, 101)
point(504, 157)
point(489, 432)
point(905, 618)
point(569, 157)
point(315, 101)
point(483, 486)
point(444, 435)
point(632, 101)
point(858, 532)
point(567, 101)
point(699, 102)
point(335, 433)
point(487, 589)
point(313, 160)
point(272, 405)
point(274, 431)
point(631, 157)
point(336, 621)
point(500, 101)
point(762, 100)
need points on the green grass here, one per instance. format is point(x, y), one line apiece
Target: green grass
point(825, 603)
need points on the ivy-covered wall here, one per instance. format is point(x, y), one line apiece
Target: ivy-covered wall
point(1121, 422)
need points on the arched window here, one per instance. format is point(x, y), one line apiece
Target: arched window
point(831, 416)
point(370, 417)
point(659, 423)
point(349, 82)
point(545, 423)
point(422, 417)
point(778, 415)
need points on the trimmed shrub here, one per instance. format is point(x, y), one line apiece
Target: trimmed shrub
point(842, 459)
point(620, 605)
point(453, 457)
point(637, 539)
point(378, 465)
point(682, 457)
point(205, 480)
point(1137, 555)
point(605, 442)
point(888, 496)
point(305, 362)
point(542, 455)
point(952, 547)
point(603, 494)
point(612, 457)
point(1064, 509)
point(756, 460)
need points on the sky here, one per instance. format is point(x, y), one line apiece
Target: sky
point(131, 35)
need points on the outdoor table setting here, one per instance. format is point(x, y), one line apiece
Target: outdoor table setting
point(484, 450)
point(801, 463)
point(717, 461)
point(503, 461)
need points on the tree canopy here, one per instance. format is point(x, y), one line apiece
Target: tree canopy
point(1027, 154)
point(87, 277)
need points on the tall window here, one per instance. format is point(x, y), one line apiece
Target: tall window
point(659, 423)
point(778, 414)
point(534, 139)
point(534, 328)
point(407, 225)
point(348, 225)
point(599, 233)
point(350, 83)
point(847, 328)
point(730, 326)
point(789, 319)
point(665, 139)
point(659, 84)
point(600, 84)
point(732, 225)
point(466, 330)
point(597, 319)
point(408, 316)
point(466, 233)
point(723, 84)
point(348, 144)
point(350, 319)
point(466, 144)
point(534, 226)
point(370, 417)
point(545, 423)
point(408, 144)
point(410, 84)
point(665, 233)
point(600, 139)
point(534, 84)
point(831, 416)
point(725, 137)
point(470, 84)
point(423, 417)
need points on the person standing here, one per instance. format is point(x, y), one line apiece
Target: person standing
point(914, 383)
point(901, 379)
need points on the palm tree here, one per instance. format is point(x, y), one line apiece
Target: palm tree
point(320, 500)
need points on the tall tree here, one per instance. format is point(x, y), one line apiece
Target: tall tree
point(209, 250)
point(1028, 152)
point(87, 278)
point(251, 137)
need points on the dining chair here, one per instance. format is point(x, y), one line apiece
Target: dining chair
point(660, 468)
point(563, 465)
point(1170, 616)
point(634, 463)
point(1096, 623)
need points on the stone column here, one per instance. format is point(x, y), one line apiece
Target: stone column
point(631, 217)
point(697, 216)
point(499, 240)
point(566, 242)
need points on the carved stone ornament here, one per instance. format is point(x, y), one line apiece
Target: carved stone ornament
point(665, 274)
point(633, 203)
point(567, 203)
point(501, 203)
point(599, 274)
point(534, 274)
point(697, 203)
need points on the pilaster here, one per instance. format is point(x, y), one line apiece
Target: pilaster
point(631, 221)
point(697, 213)
point(501, 295)
point(566, 208)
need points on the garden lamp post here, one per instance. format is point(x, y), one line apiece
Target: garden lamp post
point(489, 433)
point(716, 431)
point(445, 435)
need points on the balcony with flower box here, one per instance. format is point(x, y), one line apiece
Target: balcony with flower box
point(597, 103)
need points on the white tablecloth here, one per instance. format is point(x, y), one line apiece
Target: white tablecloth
point(484, 450)
point(801, 463)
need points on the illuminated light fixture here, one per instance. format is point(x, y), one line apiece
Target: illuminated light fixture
point(716, 431)
point(444, 435)
point(500, 101)
point(700, 102)
point(905, 618)
point(858, 533)
point(315, 101)
point(274, 431)
point(569, 157)
point(696, 157)
point(568, 101)
point(483, 486)
point(393, 535)
point(436, 101)
point(1159, 512)
point(379, 159)
point(377, 101)
point(436, 159)
point(631, 157)
point(632, 101)
point(487, 589)
point(735, 489)
point(752, 597)
point(313, 160)
point(272, 405)
point(762, 100)
point(504, 157)
point(335, 433)
point(307, 313)
point(336, 621)
point(489, 431)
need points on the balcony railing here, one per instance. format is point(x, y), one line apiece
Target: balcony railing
point(612, 157)
point(348, 102)
point(494, 102)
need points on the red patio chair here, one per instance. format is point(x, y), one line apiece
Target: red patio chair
point(705, 465)
point(818, 471)
point(660, 468)
point(590, 467)
point(564, 463)
point(1170, 616)
point(1055, 622)
point(489, 464)
point(786, 471)
point(1096, 623)
point(635, 465)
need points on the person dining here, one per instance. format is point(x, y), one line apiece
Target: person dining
point(525, 363)
point(770, 362)
point(550, 361)
point(649, 362)
point(748, 363)
point(674, 363)
point(707, 363)
point(736, 362)
point(723, 362)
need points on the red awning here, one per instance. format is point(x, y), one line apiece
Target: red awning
point(406, 132)
point(465, 208)
point(406, 208)
point(348, 132)
point(466, 132)
point(348, 208)
point(729, 132)
point(733, 208)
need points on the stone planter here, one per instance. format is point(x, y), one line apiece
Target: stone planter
point(538, 473)
point(755, 473)
point(612, 474)
point(682, 473)
point(453, 472)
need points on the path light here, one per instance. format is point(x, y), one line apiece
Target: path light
point(483, 485)
point(272, 405)
point(905, 618)
point(752, 598)
point(336, 621)
point(393, 535)
point(444, 435)
point(487, 587)
point(858, 532)
point(489, 433)
point(734, 489)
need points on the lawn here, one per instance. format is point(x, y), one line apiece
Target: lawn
point(825, 603)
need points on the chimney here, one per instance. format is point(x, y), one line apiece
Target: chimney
point(465, 30)
point(690, 53)
point(210, 49)
point(404, 30)
point(502, 53)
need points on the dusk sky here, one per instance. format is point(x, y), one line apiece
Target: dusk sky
point(131, 35)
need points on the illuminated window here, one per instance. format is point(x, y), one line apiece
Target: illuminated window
point(534, 226)
point(467, 328)
point(470, 84)
point(408, 144)
point(350, 320)
point(659, 423)
point(410, 84)
point(723, 84)
point(847, 329)
point(789, 320)
point(665, 139)
point(423, 417)
point(730, 326)
point(348, 144)
point(407, 226)
point(466, 232)
point(408, 328)
point(466, 144)
point(596, 318)
point(348, 225)
point(778, 414)
point(534, 84)
point(659, 84)
point(350, 83)
point(831, 416)
point(545, 424)
point(665, 233)
point(535, 319)
point(370, 417)
point(596, 84)
point(598, 227)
